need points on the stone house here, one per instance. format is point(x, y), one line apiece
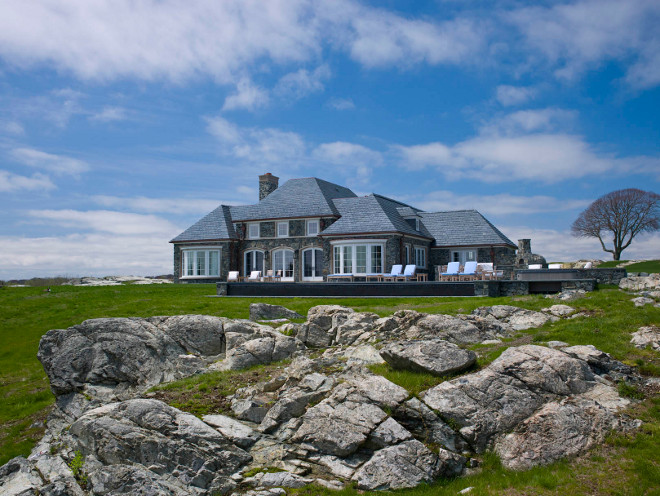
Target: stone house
point(309, 228)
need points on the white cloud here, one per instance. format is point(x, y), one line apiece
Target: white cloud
point(301, 83)
point(57, 164)
point(514, 95)
point(527, 121)
point(247, 96)
point(14, 182)
point(341, 104)
point(355, 159)
point(84, 255)
point(110, 114)
point(107, 221)
point(12, 127)
point(257, 145)
point(158, 205)
point(106, 40)
point(498, 204)
point(582, 35)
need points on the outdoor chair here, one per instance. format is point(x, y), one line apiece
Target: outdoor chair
point(451, 273)
point(255, 275)
point(555, 266)
point(233, 276)
point(396, 271)
point(408, 273)
point(469, 272)
point(484, 271)
point(588, 265)
point(535, 266)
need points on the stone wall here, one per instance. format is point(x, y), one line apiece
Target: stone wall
point(226, 262)
point(603, 276)
point(495, 289)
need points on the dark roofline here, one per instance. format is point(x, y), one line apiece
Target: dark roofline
point(481, 245)
point(289, 218)
point(197, 241)
point(397, 201)
point(373, 233)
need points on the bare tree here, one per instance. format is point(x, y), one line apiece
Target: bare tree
point(624, 213)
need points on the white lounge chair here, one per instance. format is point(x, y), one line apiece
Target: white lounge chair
point(535, 266)
point(350, 277)
point(469, 271)
point(555, 266)
point(233, 276)
point(452, 272)
point(394, 273)
point(255, 275)
point(408, 273)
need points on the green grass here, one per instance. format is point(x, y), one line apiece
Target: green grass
point(650, 266)
point(625, 464)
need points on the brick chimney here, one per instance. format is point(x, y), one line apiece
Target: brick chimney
point(267, 184)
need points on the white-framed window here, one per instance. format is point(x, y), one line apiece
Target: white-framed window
point(200, 262)
point(407, 258)
point(253, 230)
point(254, 260)
point(463, 256)
point(416, 224)
point(283, 263)
point(283, 229)
point(358, 258)
point(420, 257)
point(312, 228)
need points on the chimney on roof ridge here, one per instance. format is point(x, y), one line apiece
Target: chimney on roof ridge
point(267, 184)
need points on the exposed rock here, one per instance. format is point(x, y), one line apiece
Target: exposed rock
point(278, 479)
point(557, 344)
point(162, 438)
point(642, 300)
point(388, 433)
point(435, 356)
point(117, 358)
point(115, 480)
point(509, 390)
point(518, 318)
point(406, 465)
point(238, 332)
point(557, 430)
point(293, 402)
point(640, 283)
point(261, 351)
point(356, 328)
point(427, 426)
point(237, 432)
point(560, 310)
point(314, 336)
point(264, 311)
point(602, 364)
point(48, 476)
point(446, 327)
point(646, 336)
point(327, 316)
point(569, 295)
point(361, 355)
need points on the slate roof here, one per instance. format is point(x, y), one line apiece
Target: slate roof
point(213, 226)
point(306, 197)
point(462, 228)
point(371, 214)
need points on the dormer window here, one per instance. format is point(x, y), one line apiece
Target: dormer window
point(416, 224)
point(253, 230)
point(312, 227)
point(282, 229)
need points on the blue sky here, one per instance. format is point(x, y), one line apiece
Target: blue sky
point(123, 122)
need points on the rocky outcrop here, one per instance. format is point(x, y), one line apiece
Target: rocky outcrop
point(324, 418)
point(640, 283)
point(435, 356)
point(646, 336)
point(264, 311)
point(114, 359)
point(521, 396)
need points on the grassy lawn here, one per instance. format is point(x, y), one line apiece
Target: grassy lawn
point(649, 266)
point(27, 313)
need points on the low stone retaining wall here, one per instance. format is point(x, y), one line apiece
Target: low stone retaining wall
point(515, 288)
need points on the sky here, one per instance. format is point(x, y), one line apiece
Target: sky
point(122, 122)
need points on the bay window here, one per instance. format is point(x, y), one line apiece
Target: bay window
point(200, 263)
point(358, 258)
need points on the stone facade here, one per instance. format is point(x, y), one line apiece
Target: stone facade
point(503, 257)
point(227, 257)
point(267, 184)
point(524, 256)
